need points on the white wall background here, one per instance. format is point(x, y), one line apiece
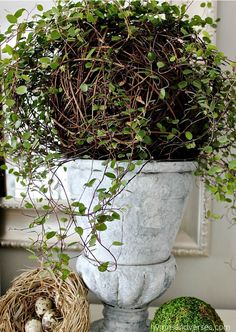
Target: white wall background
point(209, 278)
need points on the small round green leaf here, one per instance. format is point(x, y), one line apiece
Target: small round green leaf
point(40, 7)
point(162, 94)
point(28, 205)
point(50, 235)
point(189, 135)
point(8, 49)
point(101, 227)
point(84, 87)
point(182, 84)
point(151, 56)
point(55, 34)
point(19, 12)
point(160, 64)
point(214, 169)
point(11, 18)
point(110, 175)
point(97, 208)
point(21, 90)
point(103, 267)
point(79, 230)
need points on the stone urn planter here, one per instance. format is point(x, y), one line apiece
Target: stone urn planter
point(155, 200)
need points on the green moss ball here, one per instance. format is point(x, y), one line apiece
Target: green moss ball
point(186, 314)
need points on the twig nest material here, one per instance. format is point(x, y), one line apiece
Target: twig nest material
point(33, 325)
point(68, 298)
point(42, 305)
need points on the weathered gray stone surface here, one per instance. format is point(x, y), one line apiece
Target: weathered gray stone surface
point(116, 320)
point(155, 202)
point(128, 286)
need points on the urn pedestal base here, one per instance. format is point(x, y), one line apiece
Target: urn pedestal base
point(125, 320)
point(126, 292)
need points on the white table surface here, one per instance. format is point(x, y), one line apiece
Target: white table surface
point(227, 316)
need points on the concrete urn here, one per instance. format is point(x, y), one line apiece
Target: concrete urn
point(154, 204)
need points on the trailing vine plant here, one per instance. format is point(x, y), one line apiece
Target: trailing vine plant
point(115, 81)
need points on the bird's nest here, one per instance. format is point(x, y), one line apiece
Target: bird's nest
point(69, 297)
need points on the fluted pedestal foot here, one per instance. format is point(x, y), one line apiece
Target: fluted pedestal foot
point(122, 320)
point(126, 293)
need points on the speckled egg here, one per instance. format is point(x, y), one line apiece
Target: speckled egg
point(42, 304)
point(33, 325)
point(49, 320)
